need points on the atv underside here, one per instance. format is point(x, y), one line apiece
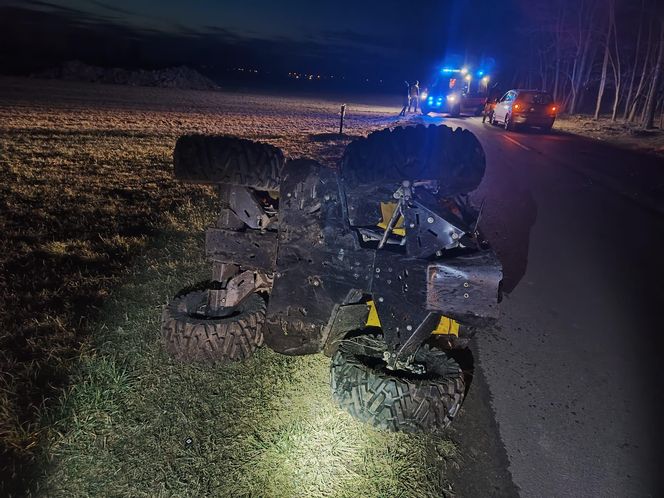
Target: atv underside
point(379, 264)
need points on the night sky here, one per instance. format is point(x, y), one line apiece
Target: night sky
point(377, 39)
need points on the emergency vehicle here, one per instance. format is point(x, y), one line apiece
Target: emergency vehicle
point(455, 91)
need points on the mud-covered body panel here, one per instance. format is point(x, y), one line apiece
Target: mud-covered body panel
point(319, 261)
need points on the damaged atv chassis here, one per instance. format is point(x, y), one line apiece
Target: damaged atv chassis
point(301, 254)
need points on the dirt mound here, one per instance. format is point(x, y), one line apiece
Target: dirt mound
point(181, 77)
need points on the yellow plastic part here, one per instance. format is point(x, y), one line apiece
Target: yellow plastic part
point(446, 326)
point(372, 319)
point(386, 210)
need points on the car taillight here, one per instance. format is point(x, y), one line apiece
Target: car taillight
point(553, 109)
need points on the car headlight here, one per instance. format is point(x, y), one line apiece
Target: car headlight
point(451, 98)
point(424, 95)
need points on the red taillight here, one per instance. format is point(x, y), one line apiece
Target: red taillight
point(553, 109)
point(517, 107)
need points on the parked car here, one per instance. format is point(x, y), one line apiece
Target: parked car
point(525, 108)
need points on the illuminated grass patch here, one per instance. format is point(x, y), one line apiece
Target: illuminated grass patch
point(137, 424)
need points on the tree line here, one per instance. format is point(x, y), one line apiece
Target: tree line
point(596, 55)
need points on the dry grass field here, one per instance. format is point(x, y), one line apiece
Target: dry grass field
point(96, 236)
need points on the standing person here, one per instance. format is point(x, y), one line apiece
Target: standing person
point(406, 100)
point(489, 105)
point(487, 108)
point(414, 96)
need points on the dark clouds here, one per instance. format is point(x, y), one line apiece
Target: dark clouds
point(373, 38)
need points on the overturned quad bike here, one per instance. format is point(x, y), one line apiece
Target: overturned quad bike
point(378, 264)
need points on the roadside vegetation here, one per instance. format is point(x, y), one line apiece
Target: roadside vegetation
point(97, 235)
point(622, 133)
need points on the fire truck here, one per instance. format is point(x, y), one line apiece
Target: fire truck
point(455, 91)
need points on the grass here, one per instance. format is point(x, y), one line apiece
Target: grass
point(134, 423)
point(617, 132)
point(96, 236)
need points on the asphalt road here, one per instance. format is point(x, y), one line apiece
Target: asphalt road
point(573, 367)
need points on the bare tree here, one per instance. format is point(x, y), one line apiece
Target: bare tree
point(644, 73)
point(615, 61)
point(605, 65)
point(583, 55)
point(651, 103)
point(635, 64)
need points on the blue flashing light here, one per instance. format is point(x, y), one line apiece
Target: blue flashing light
point(480, 73)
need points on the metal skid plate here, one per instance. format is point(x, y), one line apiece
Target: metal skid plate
point(364, 202)
point(465, 287)
point(345, 319)
point(245, 206)
point(319, 261)
point(250, 249)
point(399, 292)
point(427, 232)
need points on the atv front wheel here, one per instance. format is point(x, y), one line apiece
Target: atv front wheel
point(398, 400)
point(193, 333)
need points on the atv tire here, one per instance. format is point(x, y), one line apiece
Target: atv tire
point(453, 157)
point(228, 160)
point(191, 336)
point(398, 401)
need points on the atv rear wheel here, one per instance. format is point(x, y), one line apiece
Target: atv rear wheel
point(228, 160)
point(397, 400)
point(454, 158)
point(192, 333)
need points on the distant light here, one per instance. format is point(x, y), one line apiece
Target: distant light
point(451, 98)
point(464, 70)
point(480, 73)
point(485, 79)
point(468, 77)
